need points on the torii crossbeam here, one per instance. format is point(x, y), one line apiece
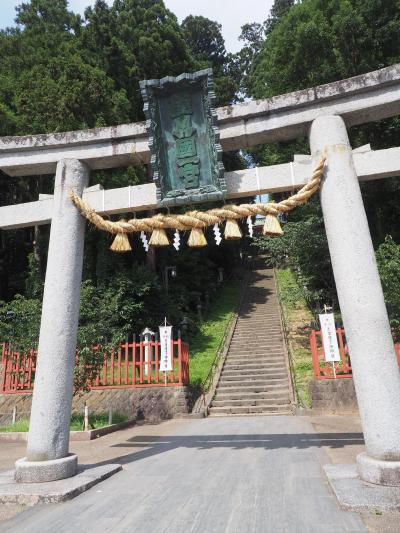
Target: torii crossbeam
point(323, 113)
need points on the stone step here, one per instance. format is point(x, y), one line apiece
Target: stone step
point(263, 339)
point(236, 393)
point(248, 352)
point(246, 383)
point(255, 338)
point(272, 363)
point(252, 409)
point(266, 364)
point(246, 357)
point(252, 374)
point(256, 350)
point(250, 346)
point(249, 380)
point(256, 365)
point(260, 331)
point(254, 345)
point(280, 373)
point(265, 367)
point(254, 379)
point(266, 373)
point(265, 325)
point(245, 368)
point(240, 402)
point(259, 314)
point(261, 319)
point(257, 341)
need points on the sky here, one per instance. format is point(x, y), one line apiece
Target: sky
point(231, 14)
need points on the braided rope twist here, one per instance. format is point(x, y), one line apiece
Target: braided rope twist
point(201, 219)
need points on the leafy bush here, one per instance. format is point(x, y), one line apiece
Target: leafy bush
point(304, 248)
point(388, 259)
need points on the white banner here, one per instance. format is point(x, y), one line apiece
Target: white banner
point(166, 348)
point(329, 337)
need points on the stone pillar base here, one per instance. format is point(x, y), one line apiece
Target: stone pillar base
point(377, 471)
point(42, 471)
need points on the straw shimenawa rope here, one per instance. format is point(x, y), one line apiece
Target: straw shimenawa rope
point(198, 220)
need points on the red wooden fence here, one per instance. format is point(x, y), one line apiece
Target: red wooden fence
point(324, 370)
point(124, 367)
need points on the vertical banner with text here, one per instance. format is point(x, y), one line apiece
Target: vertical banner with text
point(166, 348)
point(329, 337)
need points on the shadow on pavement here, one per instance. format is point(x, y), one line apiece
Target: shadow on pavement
point(157, 445)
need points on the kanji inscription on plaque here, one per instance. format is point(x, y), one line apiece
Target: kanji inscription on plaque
point(184, 138)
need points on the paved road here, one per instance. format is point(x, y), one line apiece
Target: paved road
point(218, 475)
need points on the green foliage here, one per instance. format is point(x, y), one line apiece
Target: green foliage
point(62, 72)
point(96, 421)
point(207, 45)
point(319, 41)
point(388, 259)
point(290, 292)
point(205, 345)
point(20, 321)
point(310, 43)
point(297, 319)
point(303, 246)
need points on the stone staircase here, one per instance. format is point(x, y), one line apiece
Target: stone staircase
point(254, 378)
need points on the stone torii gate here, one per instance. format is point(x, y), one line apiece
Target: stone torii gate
point(323, 113)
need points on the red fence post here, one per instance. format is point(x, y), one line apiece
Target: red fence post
point(17, 372)
point(314, 354)
point(156, 358)
point(112, 367)
point(180, 360)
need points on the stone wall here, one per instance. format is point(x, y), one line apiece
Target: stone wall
point(333, 395)
point(152, 404)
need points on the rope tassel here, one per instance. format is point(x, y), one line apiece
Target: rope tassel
point(272, 226)
point(197, 238)
point(159, 238)
point(232, 230)
point(196, 221)
point(121, 243)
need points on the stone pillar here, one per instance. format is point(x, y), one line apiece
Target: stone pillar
point(48, 440)
point(375, 370)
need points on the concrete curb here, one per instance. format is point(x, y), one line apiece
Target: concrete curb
point(354, 494)
point(19, 436)
point(30, 494)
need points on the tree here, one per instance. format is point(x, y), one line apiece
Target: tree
point(205, 39)
point(134, 40)
point(321, 41)
point(388, 259)
point(45, 16)
point(311, 43)
point(207, 45)
point(278, 10)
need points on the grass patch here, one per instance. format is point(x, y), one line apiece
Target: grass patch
point(297, 318)
point(206, 343)
point(20, 425)
point(96, 420)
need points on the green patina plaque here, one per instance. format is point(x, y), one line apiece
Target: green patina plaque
point(184, 138)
